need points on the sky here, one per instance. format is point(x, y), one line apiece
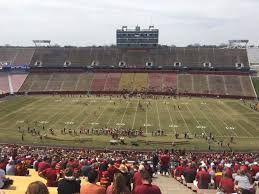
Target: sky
point(94, 22)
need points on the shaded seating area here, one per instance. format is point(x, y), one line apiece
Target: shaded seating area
point(4, 84)
point(17, 81)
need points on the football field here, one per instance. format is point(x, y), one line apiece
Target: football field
point(220, 118)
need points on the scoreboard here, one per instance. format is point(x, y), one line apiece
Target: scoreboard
point(137, 38)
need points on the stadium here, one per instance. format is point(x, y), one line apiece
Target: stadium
point(132, 101)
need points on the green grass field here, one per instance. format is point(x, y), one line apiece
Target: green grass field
point(223, 118)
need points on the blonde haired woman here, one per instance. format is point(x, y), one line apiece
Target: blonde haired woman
point(37, 187)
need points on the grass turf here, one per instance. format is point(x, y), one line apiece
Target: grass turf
point(223, 118)
point(256, 84)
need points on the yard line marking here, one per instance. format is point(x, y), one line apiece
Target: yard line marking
point(34, 111)
point(64, 115)
point(80, 112)
point(172, 123)
point(124, 113)
point(86, 118)
point(253, 113)
point(234, 120)
point(146, 120)
point(48, 117)
point(204, 115)
point(207, 78)
point(226, 125)
point(196, 119)
point(77, 82)
point(104, 109)
point(159, 123)
point(133, 123)
point(183, 118)
point(22, 108)
point(116, 107)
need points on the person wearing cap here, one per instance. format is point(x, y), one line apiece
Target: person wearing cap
point(69, 184)
point(92, 187)
point(50, 174)
point(146, 187)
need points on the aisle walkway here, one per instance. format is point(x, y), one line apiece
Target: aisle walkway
point(169, 185)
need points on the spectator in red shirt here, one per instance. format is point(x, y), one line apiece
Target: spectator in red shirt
point(164, 162)
point(50, 174)
point(255, 168)
point(146, 187)
point(179, 171)
point(226, 184)
point(203, 178)
point(3, 163)
point(43, 165)
point(111, 170)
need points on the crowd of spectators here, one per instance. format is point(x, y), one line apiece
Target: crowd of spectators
point(128, 171)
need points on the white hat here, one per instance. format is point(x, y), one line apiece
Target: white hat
point(228, 165)
point(141, 167)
